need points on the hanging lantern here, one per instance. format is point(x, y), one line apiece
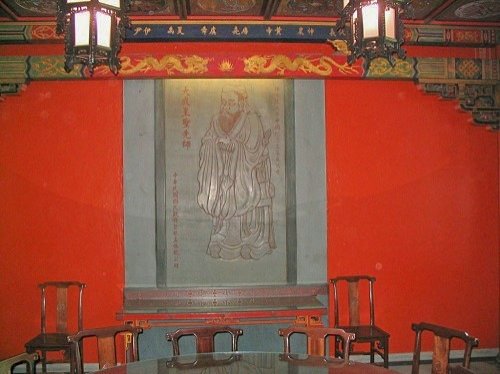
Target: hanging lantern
point(94, 30)
point(373, 28)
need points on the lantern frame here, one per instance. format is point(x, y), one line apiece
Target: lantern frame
point(353, 26)
point(90, 52)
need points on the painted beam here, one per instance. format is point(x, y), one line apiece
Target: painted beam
point(473, 82)
point(310, 32)
point(290, 65)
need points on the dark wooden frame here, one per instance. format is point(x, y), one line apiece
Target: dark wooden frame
point(204, 337)
point(316, 339)
point(441, 348)
point(105, 345)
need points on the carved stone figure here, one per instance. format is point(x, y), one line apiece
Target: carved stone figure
point(234, 179)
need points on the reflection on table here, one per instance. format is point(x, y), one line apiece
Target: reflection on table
point(246, 362)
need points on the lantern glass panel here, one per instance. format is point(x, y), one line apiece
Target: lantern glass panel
point(390, 23)
point(370, 21)
point(113, 3)
point(103, 29)
point(353, 22)
point(82, 28)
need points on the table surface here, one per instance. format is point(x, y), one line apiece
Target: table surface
point(245, 362)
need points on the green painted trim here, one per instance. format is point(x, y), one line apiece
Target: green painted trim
point(13, 69)
point(51, 67)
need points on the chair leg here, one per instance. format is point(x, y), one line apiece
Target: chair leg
point(372, 352)
point(44, 361)
point(386, 353)
point(71, 361)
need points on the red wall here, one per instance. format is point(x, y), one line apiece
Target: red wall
point(413, 198)
point(61, 214)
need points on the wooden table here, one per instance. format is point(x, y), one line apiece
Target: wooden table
point(246, 363)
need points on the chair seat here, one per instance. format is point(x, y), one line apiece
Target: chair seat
point(366, 333)
point(52, 342)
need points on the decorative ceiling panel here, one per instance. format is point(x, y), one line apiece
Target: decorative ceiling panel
point(306, 8)
point(210, 8)
point(153, 8)
point(471, 11)
point(422, 9)
point(31, 8)
point(3, 14)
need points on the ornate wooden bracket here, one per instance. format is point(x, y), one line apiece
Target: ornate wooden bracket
point(11, 89)
point(482, 99)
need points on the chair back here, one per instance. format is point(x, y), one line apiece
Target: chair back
point(317, 339)
point(348, 289)
point(441, 348)
point(30, 359)
point(108, 340)
point(204, 337)
point(64, 300)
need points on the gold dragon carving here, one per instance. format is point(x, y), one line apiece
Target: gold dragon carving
point(169, 63)
point(324, 65)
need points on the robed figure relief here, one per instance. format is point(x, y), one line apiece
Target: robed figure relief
point(234, 178)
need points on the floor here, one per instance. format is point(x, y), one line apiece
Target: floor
point(478, 367)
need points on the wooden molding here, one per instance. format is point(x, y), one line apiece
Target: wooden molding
point(481, 99)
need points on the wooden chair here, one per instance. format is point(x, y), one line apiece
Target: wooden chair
point(348, 288)
point(30, 359)
point(317, 339)
point(441, 349)
point(107, 341)
point(61, 315)
point(205, 337)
